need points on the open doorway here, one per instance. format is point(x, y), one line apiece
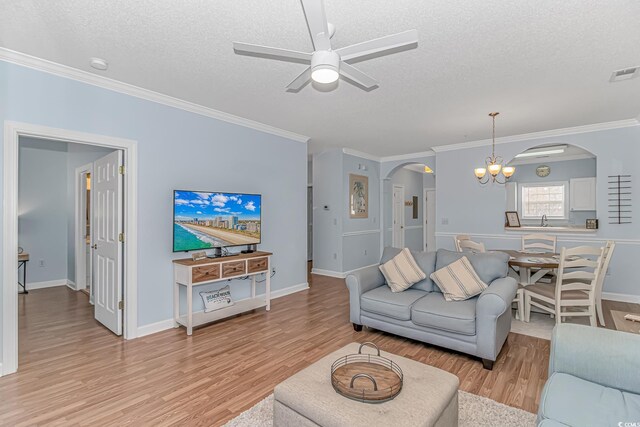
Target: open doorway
point(47, 210)
point(409, 207)
point(55, 212)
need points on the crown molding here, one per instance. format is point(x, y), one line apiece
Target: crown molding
point(542, 134)
point(50, 67)
point(361, 154)
point(409, 156)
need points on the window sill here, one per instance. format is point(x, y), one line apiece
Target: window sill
point(552, 229)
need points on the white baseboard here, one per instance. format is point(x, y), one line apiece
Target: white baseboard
point(72, 285)
point(612, 296)
point(163, 325)
point(337, 274)
point(329, 273)
point(153, 328)
point(46, 284)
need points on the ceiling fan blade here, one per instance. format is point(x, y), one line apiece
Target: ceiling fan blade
point(301, 81)
point(357, 76)
point(271, 53)
point(317, 23)
point(383, 45)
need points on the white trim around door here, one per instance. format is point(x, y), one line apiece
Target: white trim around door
point(12, 132)
point(397, 219)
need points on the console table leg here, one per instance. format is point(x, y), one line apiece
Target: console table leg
point(253, 286)
point(189, 309)
point(268, 285)
point(176, 303)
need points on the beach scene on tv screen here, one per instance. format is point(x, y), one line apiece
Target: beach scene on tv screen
point(206, 220)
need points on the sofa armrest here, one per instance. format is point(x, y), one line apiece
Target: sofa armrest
point(497, 298)
point(493, 316)
point(606, 357)
point(358, 283)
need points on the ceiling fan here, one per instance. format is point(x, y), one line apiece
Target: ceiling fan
point(325, 64)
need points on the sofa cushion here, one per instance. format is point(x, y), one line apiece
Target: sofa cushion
point(427, 263)
point(401, 271)
point(425, 260)
point(433, 311)
point(489, 265)
point(458, 281)
point(383, 301)
point(576, 402)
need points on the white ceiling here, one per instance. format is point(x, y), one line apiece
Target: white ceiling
point(543, 64)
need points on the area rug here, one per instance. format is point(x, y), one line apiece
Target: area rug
point(473, 411)
point(541, 325)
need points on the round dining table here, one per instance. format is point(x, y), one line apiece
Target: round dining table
point(541, 262)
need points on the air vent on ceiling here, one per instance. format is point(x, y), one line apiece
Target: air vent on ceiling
point(624, 74)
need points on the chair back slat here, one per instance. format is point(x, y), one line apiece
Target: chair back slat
point(457, 239)
point(606, 259)
point(588, 260)
point(539, 241)
point(471, 246)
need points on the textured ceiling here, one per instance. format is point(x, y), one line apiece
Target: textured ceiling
point(543, 64)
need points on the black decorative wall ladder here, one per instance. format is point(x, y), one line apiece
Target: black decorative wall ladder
point(619, 199)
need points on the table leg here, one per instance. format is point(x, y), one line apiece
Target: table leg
point(268, 285)
point(189, 309)
point(524, 276)
point(176, 303)
point(253, 286)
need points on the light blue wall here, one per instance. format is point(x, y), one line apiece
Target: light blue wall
point(361, 236)
point(342, 243)
point(477, 210)
point(177, 149)
point(42, 209)
point(327, 210)
point(562, 171)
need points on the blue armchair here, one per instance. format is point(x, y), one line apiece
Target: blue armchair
point(594, 378)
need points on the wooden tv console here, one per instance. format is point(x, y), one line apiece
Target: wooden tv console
point(190, 274)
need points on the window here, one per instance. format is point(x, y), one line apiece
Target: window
point(548, 199)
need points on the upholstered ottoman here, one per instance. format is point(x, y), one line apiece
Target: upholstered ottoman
point(429, 397)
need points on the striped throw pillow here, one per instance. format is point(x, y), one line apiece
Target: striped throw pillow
point(458, 281)
point(402, 271)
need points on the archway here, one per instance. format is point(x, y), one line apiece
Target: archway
point(554, 185)
point(408, 202)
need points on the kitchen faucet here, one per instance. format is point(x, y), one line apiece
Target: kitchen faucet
point(543, 221)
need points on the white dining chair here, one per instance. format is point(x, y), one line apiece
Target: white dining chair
point(471, 246)
point(458, 238)
point(539, 243)
point(606, 259)
point(575, 286)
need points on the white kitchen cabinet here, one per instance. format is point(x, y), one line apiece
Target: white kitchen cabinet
point(582, 194)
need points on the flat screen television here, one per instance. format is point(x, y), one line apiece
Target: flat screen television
point(205, 220)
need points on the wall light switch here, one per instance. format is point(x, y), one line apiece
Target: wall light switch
point(41, 263)
point(445, 221)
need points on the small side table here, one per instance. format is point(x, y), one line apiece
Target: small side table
point(23, 259)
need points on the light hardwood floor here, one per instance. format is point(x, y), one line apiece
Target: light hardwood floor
point(75, 372)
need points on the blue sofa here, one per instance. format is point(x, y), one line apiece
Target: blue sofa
point(478, 326)
point(594, 378)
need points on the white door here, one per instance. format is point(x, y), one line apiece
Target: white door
point(430, 220)
point(397, 229)
point(107, 248)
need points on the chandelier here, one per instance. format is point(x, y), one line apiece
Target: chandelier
point(494, 164)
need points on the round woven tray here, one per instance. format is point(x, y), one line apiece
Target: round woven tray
point(367, 378)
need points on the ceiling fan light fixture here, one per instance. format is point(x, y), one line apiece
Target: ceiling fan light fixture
point(325, 66)
point(324, 74)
